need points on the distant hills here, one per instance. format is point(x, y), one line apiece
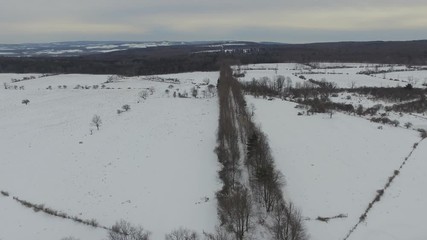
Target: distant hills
point(142, 58)
point(79, 48)
point(74, 48)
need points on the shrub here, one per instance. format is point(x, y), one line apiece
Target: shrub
point(359, 110)
point(143, 94)
point(182, 234)
point(194, 92)
point(126, 107)
point(4, 193)
point(25, 101)
point(96, 121)
point(423, 133)
point(93, 223)
point(395, 123)
point(408, 125)
point(123, 230)
point(69, 238)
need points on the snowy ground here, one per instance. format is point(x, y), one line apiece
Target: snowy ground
point(153, 166)
point(343, 74)
point(335, 165)
point(416, 78)
point(401, 214)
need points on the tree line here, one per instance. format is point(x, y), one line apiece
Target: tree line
point(173, 59)
point(249, 176)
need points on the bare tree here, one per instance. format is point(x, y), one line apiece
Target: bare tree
point(143, 94)
point(287, 223)
point(235, 211)
point(326, 88)
point(307, 89)
point(123, 230)
point(96, 121)
point(194, 92)
point(288, 85)
point(220, 234)
point(280, 82)
point(182, 234)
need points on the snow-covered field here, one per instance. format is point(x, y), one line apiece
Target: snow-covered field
point(416, 78)
point(335, 166)
point(343, 74)
point(401, 214)
point(152, 166)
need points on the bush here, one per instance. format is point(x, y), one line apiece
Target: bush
point(395, 123)
point(4, 193)
point(143, 94)
point(182, 234)
point(385, 120)
point(126, 107)
point(408, 125)
point(194, 92)
point(25, 101)
point(96, 121)
point(423, 133)
point(123, 230)
point(69, 238)
point(359, 110)
point(93, 222)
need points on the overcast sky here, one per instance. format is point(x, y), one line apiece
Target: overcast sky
point(290, 21)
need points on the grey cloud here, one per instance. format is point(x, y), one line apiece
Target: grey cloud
point(270, 20)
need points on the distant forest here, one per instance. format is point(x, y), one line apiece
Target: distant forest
point(184, 58)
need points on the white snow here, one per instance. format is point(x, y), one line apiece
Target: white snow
point(155, 166)
point(343, 77)
point(416, 78)
point(333, 165)
point(53, 52)
point(110, 46)
point(401, 213)
point(152, 166)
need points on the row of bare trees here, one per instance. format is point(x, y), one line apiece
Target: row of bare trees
point(234, 199)
point(238, 200)
point(282, 86)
